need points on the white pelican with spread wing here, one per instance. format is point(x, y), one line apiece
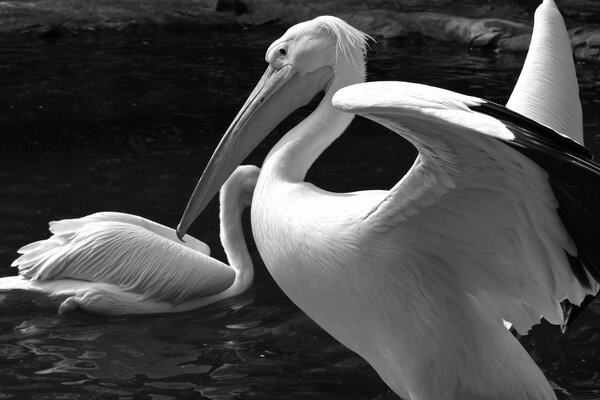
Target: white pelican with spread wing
point(114, 263)
point(496, 220)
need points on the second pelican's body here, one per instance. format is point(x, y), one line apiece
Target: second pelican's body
point(114, 263)
point(496, 221)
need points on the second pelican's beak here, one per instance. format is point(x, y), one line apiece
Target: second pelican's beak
point(278, 93)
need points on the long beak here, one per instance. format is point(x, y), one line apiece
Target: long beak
point(277, 94)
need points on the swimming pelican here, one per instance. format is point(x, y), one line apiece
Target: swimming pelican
point(496, 220)
point(113, 263)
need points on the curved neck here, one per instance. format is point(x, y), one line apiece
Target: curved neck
point(232, 239)
point(293, 155)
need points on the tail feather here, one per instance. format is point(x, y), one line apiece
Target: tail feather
point(33, 254)
point(66, 225)
point(33, 247)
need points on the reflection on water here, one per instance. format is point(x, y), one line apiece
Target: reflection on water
point(127, 123)
point(257, 349)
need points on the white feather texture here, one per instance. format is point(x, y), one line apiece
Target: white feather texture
point(485, 211)
point(412, 279)
point(419, 279)
point(129, 256)
point(547, 89)
point(116, 263)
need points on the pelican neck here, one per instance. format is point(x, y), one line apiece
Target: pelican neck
point(232, 238)
point(294, 154)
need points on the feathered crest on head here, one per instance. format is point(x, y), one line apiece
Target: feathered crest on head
point(348, 38)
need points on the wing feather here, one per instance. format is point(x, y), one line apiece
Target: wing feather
point(71, 225)
point(496, 217)
point(127, 255)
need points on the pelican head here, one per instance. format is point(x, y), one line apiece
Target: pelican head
point(323, 54)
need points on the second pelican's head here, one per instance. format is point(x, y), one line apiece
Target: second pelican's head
point(323, 54)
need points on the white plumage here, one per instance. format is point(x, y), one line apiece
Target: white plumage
point(486, 210)
point(547, 89)
point(496, 220)
point(116, 263)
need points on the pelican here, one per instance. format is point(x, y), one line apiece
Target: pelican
point(114, 263)
point(497, 220)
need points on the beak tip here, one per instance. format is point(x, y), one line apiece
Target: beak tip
point(180, 231)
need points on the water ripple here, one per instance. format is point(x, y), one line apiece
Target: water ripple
point(126, 123)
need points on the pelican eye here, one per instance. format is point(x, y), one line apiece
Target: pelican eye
point(283, 52)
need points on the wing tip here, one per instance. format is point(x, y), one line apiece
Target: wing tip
point(547, 136)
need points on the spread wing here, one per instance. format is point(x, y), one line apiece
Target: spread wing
point(129, 255)
point(508, 207)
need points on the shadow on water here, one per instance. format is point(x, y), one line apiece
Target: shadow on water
point(126, 123)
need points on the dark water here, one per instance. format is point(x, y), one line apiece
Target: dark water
point(126, 123)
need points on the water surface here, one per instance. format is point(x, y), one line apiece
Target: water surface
point(126, 123)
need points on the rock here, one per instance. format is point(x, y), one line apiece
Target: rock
point(381, 23)
point(505, 26)
point(487, 32)
point(586, 43)
point(515, 44)
point(288, 13)
point(77, 15)
point(235, 6)
point(259, 19)
point(580, 10)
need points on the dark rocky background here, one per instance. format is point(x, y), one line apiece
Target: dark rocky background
point(505, 25)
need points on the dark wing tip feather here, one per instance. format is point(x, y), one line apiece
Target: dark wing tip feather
point(534, 131)
point(571, 311)
point(575, 181)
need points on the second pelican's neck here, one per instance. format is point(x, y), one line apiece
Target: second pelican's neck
point(293, 155)
point(232, 239)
